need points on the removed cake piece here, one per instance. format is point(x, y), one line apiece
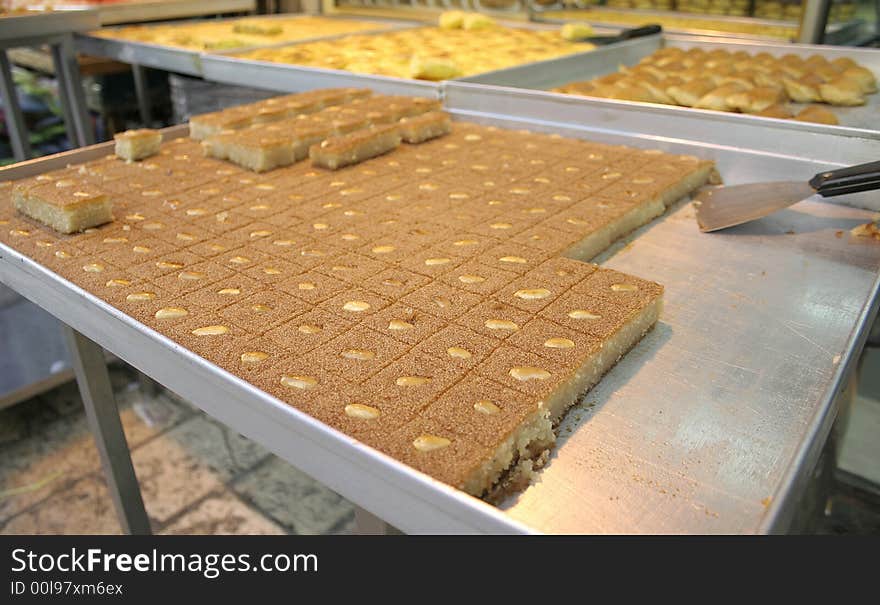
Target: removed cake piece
point(337, 152)
point(67, 204)
point(425, 127)
point(139, 144)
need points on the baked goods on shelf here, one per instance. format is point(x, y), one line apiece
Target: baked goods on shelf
point(432, 302)
point(226, 34)
point(675, 21)
point(139, 144)
point(720, 80)
point(64, 201)
point(427, 53)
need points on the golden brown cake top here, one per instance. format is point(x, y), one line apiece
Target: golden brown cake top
point(419, 301)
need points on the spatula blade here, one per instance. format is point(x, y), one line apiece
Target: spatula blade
point(722, 207)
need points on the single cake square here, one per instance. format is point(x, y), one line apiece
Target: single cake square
point(66, 205)
point(133, 145)
point(431, 125)
point(337, 152)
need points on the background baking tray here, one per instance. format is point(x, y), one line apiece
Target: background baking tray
point(41, 25)
point(288, 77)
point(132, 11)
point(861, 121)
point(712, 423)
point(285, 77)
point(187, 61)
point(835, 33)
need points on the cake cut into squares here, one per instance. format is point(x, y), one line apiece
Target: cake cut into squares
point(424, 127)
point(338, 152)
point(277, 108)
point(66, 205)
point(139, 144)
point(205, 125)
point(428, 303)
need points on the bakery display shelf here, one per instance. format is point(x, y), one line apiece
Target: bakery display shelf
point(835, 33)
point(187, 61)
point(854, 121)
point(712, 423)
point(296, 78)
point(230, 69)
point(35, 26)
point(134, 11)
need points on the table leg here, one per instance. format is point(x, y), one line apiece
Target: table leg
point(368, 524)
point(73, 99)
point(103, 416)
point(142, 91)
point(18, 135)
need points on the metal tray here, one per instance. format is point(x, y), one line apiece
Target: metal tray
point(835, 33)
point(285, 77)
point(187, 61)
point(288, 77)
point(154, 10)
point(855, 121)
point(712, 423)
point(35, 26)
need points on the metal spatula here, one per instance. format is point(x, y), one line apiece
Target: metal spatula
point(722, 207)
point(626, 34)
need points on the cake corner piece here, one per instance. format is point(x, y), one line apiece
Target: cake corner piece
point(66, 205)
point(338, 152)
point(134, 145)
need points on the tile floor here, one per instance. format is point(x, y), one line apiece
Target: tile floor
point(196, 476)
point(199, 477)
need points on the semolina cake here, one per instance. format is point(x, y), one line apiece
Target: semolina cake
point(133, 145)
point(340, 151)
point(430, 125)
point(67, 202)
point(434, 302)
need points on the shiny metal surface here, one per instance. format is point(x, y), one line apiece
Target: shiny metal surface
point(712, 424)
point(854, 121)
point(20, 27)
point(835, 33)
point(726, 206)
point(153, 10)
point(296, 78)
point(292, 78)
point(183, 60)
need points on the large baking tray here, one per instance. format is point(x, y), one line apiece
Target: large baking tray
point(136, 11)
point(711, 424)
point(186, 61)
point(855, 121)
point(835, 33)
point(230, 69)
point(41, 25)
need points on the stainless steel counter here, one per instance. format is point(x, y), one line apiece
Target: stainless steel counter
point(712, 424)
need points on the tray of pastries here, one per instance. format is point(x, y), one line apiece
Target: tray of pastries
point(419, 283)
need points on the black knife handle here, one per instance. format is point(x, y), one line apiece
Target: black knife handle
point(864, 177)
point(638, 32)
